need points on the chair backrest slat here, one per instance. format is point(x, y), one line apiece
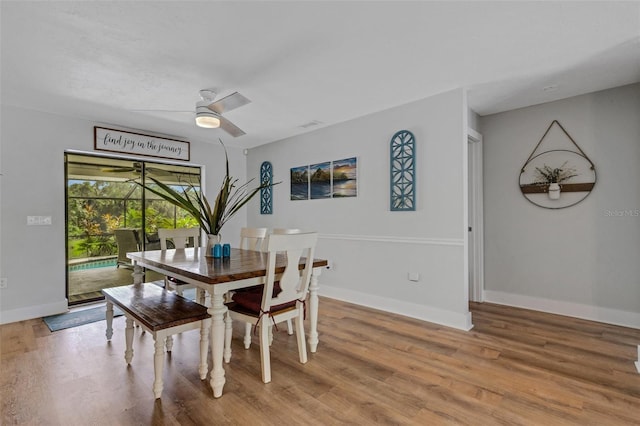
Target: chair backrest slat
point(293, 284)
point(181, 237)
point(252, 238)
point(286, 231)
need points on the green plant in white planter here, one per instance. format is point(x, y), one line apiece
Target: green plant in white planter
point(211, 218)
point(553, 177)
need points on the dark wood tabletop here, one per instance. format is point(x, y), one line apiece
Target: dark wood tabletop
point(192, 263)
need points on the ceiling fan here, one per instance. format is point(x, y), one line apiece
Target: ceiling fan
point(209, 112)
point(136, 168)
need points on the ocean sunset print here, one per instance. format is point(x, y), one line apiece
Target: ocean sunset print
point(345, 178)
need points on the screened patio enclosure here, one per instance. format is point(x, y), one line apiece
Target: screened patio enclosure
point(108, 214)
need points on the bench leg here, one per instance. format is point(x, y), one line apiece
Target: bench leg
point(109, 317)
point(128, 337)
point(205, 329)
point(169, 343)
point(158, 362)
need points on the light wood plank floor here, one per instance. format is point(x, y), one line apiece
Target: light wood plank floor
point(516, 367)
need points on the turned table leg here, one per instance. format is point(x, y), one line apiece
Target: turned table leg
point(109, 315)
point(217, 312)
point(138, 275)
point(205, 329)
point(228, 331)
point(313, 310)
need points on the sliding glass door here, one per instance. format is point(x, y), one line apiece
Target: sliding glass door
point(109, 214)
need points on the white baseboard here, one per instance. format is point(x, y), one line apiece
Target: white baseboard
point(577, 310)
point(412, 310)
point(31, 312)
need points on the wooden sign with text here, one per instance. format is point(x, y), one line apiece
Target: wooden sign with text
point(136, 143)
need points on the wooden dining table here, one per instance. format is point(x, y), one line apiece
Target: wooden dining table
point(244, 268)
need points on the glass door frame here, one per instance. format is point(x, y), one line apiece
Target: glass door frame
point(143, 200)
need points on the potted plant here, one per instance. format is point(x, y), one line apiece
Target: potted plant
point(211, 218)
point(553, 177)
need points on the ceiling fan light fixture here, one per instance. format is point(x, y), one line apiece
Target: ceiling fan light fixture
point(209, 113)
point(207, 121)
point(206, 118)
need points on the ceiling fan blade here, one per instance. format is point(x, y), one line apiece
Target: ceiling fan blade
point(233, 101)
point(230, 128)
point(161, 110)
point(158, 172)
point(135, 167)
point(119, 170)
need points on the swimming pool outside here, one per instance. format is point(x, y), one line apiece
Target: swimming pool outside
point(93, 264)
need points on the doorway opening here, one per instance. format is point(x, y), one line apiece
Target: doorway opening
point(476, 221)
point(108, 214)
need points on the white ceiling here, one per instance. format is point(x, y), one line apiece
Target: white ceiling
point(304, 61)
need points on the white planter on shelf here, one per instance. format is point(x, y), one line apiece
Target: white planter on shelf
point(554, 191)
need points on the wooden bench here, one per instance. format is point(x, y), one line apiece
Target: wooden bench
point(162, 314)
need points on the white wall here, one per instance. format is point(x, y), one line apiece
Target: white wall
point(32, 164)
point(473, 119)
point(372, 248)
point(583, 260)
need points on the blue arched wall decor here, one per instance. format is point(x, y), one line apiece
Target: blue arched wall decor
point(266, 194)
point(403, 171)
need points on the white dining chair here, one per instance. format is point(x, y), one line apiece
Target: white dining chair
point(266, 310)
point(252, 238)
point(286, 231)
point(181, 238)
point(276, 231)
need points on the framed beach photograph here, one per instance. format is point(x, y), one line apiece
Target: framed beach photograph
point(300, 183)
point(345, 178)
point(320, 180)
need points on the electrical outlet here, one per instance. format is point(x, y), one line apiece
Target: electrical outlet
point(3, 283)
point(413, 276)
point(38, 220)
